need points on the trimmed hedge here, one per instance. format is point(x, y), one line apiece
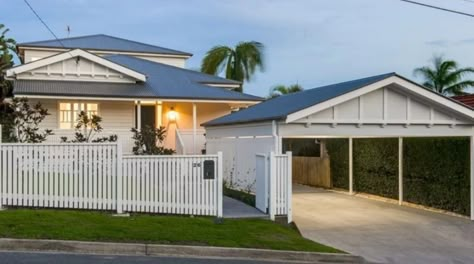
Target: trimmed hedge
point(436, 173)
point(375, 166)
point(435, 170)
point(338, 150)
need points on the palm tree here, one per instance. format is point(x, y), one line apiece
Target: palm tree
point(239, 63)
point(6, 44)
point(445, 77)
point(282, 90)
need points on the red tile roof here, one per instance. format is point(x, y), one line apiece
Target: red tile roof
point(465, 99)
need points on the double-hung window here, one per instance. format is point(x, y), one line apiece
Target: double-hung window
point(69, 113)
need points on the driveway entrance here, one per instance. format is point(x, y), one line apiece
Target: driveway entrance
point(382, 232)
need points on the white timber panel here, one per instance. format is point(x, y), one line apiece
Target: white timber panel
point(76, 69)
point(239, 165)
point(386, 105)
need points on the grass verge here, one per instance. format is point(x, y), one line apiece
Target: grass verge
point(159, 229)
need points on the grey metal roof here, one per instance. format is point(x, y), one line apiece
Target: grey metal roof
point(163, 82)
point(280, 107)
point(105, 43)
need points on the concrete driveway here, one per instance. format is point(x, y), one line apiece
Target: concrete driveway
point(382, 232)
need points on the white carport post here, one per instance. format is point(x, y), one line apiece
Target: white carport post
point(351, 176)
point(472, 176)
point(400, 170)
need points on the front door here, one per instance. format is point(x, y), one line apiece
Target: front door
point(148, 116)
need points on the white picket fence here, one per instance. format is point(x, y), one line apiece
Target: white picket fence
point(99, 177)
point(274, 184)
point(171, 184)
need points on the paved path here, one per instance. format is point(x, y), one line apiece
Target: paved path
point(61, 258)
point(237, 209)
point(382, 232)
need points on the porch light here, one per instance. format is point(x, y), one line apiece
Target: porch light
point(172, 115)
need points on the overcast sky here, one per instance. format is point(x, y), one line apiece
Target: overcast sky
point(313, 42)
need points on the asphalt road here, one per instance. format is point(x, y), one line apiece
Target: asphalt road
point(61, 258)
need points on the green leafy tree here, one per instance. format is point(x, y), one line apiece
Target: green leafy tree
point(7, 50)
point(445, 76)
point(149, 140)
point(238, 63)
point(87, 130)
point(23, 122)
point(283, 89)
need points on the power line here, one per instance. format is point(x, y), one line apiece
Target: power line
point(44, 23)
point(438, 8)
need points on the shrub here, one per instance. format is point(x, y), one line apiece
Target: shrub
point(149, 140)
point(87, 128)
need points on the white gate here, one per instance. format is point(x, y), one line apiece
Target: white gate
point(274, 184)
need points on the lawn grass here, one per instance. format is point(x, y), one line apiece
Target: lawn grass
point(159, 229)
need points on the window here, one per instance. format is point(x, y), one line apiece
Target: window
point(69, 112)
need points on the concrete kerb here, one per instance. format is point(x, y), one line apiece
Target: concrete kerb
point(106, 248)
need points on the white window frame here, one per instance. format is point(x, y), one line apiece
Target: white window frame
point(73, 121)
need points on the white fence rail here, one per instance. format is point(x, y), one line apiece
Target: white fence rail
point(59, 175)
point(97, 176)
point(172, 184)
point(274, 184)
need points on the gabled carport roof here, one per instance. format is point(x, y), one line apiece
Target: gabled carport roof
point(286, 107)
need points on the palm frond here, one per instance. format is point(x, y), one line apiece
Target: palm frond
point(212, 62)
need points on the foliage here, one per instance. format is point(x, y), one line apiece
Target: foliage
point(158, 229)
point(436, 173)
point(148, 141)
point(435, 170)
point(239, 63)
point(245, 197)
point(87, 128)
point(338, 152)
point(7, 50)
point(375, 166)
point(445, 77)
point(283, 89)
point(22, 122)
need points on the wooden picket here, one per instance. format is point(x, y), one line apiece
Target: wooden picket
point(170, 184)
point(99, 177)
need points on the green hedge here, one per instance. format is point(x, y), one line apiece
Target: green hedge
point(436, 173)
point(435, 170)
point(338, 150)
point(376, 166)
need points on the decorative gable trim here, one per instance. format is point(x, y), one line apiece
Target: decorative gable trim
point(77, 53)
point(408, 86)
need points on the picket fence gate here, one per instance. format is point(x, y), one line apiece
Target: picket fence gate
point(99, 177)
point(274, 184)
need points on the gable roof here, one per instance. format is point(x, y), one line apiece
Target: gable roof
point(163, 82)
point(280, 108)
point(103, 42)
point(73, 54)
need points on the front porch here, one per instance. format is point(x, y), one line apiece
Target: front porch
point(181, 119)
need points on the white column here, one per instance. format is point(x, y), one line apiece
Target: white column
point(139, 115)
point(272, 178)
point(219, 182)
point(159, 114)
point(400, 170)
point(472, 177)
point(351, 176)
point(194, 127)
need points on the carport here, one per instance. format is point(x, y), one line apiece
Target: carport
point(383, 106)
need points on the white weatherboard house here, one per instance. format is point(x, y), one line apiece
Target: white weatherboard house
point(386, 105)
point(127, 83)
